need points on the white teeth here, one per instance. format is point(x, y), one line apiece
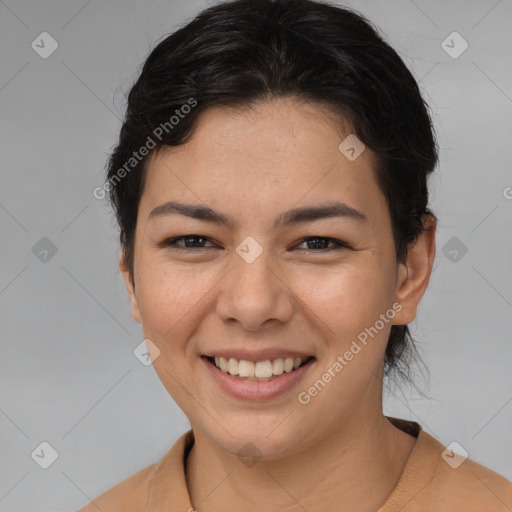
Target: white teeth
point(263, 370)
point(246, 368)
point(232, 366)
point(278, 366)
point(288, 364)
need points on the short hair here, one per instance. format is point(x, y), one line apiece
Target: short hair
point(239, 52)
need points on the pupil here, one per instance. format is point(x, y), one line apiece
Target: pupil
point(187, 240)
point(322, 245)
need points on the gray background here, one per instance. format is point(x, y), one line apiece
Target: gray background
point(68, 373)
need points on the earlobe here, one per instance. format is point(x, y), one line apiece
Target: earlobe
point(414, 274)
point(130, 288)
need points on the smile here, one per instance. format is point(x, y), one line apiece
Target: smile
point(261, 380)
point(260, 371)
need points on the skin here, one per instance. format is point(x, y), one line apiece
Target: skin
point(252, 165)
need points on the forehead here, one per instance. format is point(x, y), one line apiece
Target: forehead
point(273, 155)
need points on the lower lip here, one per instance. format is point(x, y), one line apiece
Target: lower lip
point(254, 390)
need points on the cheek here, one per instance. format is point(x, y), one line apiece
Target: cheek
point(345, 305)
point(349, 298)
point(169, 301)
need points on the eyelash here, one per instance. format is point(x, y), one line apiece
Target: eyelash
point(171, 242)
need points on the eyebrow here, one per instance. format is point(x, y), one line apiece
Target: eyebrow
point(294, 216)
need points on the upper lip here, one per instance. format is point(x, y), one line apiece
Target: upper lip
point(256, 355)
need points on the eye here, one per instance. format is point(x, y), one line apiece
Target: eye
point(190, 241)
point(314, 243)
point(317, 243)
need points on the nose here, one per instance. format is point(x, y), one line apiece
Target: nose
point(254, 295)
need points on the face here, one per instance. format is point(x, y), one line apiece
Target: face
point(250, 279)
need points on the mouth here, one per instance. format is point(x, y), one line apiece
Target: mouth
point(258, 371)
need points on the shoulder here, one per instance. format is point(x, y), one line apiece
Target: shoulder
point(464, 484)
point(151, 486)
point(436, 479)
point(130, 495)
point(474, 486)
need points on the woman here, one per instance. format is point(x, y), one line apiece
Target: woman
point(270, 184)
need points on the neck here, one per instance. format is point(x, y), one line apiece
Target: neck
point(359, 465)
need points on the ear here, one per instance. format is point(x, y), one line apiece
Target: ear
point(414, 274)
point(130, 288)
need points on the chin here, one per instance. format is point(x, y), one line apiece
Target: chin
point(264, 438)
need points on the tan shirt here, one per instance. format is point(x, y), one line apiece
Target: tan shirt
point(428, 483)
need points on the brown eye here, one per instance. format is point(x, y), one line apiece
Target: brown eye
point(187, 242)
point(317, 243)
